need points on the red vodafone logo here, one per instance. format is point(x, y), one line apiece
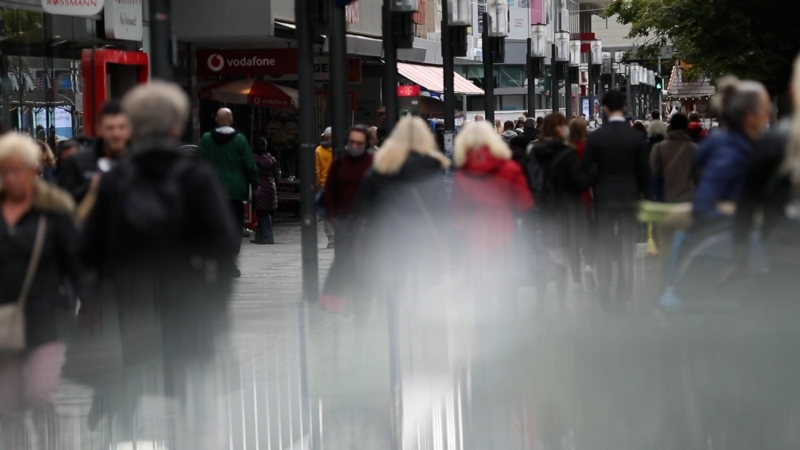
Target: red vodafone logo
point(216, 62)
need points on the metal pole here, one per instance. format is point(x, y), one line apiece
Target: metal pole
point(568, 93)
point(338, 88)
point(447, 67)
point(531, 82)
point(488, 70)
point(660, 91)
point(554, 95)
point(308, 140)
point(590, 87)
point(389, 70)
point(160, 40)
point(631, 102)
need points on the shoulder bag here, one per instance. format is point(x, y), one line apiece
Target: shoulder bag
point(12, 316)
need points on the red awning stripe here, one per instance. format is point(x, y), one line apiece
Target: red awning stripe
point(432, 79)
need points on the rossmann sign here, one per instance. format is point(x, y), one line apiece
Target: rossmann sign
point(273, 62)
point(73, 7)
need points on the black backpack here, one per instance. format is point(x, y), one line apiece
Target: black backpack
point(153, 207)
point(540, 179)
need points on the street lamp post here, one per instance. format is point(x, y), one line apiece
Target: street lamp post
point(573, 74)
point(495, 29)
point(634, 90)
point(560, 65)
point(398, 32)
point(537, 45)
point(595, 69)
point(456, 17)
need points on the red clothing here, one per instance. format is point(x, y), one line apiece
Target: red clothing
point(488, 195)
point(586, 196)
point(344, 179)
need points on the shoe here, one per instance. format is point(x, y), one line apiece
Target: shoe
point(258, 242)
point(331, 245)
point(246, 233)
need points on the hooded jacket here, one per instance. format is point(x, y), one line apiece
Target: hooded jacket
point(508, 135)
point(723, 158)
point(228, 151)
point(324, 159)
point(697, 132)
point(58, 260)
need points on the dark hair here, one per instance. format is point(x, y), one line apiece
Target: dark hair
point(260, 146)
point(110, 108)
point(65, 145)
point(530, 123)
point(614, 100)
point(539, 121)
point(640, 126)
point(656, 115)
point(508, 125)
point(679, 122)
point(578, 130)
point(694, 117)
point(363, 129)
point(551, 124)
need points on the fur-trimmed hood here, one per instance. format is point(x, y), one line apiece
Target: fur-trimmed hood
point(50, 199)
point(477, 137)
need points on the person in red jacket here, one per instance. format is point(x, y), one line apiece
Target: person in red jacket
point(490, 192)
point(344, 180)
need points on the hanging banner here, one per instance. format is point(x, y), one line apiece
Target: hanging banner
point(519, 25)
point(537, 12)
point(80, 8)
point(123, 20)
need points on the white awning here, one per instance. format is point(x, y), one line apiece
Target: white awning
point(432, 79)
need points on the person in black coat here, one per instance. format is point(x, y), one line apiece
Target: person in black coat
point(618, 154)
point(159, 235)
point(75, 174)
point(29, 377)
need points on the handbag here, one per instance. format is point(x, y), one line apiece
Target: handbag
point(12, 315)
point(250, 217)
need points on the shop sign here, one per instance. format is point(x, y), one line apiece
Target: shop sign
point(518, 23)
point(123, 19)
point(408, 91)
point(81, 8)
point(253, 62)
point(322, 69)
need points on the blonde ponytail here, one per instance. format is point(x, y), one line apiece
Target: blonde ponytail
point(792, 162)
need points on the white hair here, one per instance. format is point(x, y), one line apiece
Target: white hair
point(411, 134)
point(156, 109)
point(476, 136)
point(16, 145)
point(792, 162)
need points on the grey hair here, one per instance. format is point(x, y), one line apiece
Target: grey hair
point(156, 109)
point(791, 164)
point(16, 145)
point(737, 99)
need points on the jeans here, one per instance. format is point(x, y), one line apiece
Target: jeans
point(264, 232)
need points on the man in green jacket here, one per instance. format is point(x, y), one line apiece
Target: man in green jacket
point(228, 151)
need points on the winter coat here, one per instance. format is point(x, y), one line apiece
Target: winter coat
point(768, 190)
point(566, 226)
point(697, 132)
point(58, 261)
point(267, 198)
point(618, 153)
point(508, 135)
point(324, 159)
point(75, 173)
point(519, 146)
point(723, 158)
point(586, 195)
point(228, 151)
point(405, 223)
point(344, 180)
point(489, 194)
point(182, 274)
point(673, 161)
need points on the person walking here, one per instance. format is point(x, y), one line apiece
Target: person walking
point(403, 204)
point(561, 217)
point(266, 199)
point(228, 151)
point(508, 132)
point(531, 131)
point(695, 129)
point(656, 130)
point(745, 109)
point(672, 163)
point(37, 253)
point(344, 181)
point(161, 236)
point(490, 192)
point(47, 166)
point(77, 173)
point(324, 159)
point(578, 133)
point(618, 154)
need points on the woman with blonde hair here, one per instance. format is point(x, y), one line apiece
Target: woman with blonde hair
point(490, 192)
point(48, 162)
point(37, 254)
point(402, 204)
point(770, 191)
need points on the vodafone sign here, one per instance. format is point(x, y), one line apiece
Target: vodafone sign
point(73, 7)
point(273, 62)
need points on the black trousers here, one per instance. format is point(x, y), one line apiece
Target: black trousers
point(617, 232)
point(237, 209)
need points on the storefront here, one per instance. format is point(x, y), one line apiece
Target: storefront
point(44, 83)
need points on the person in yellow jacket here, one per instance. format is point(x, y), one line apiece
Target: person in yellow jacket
point(324, 158)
